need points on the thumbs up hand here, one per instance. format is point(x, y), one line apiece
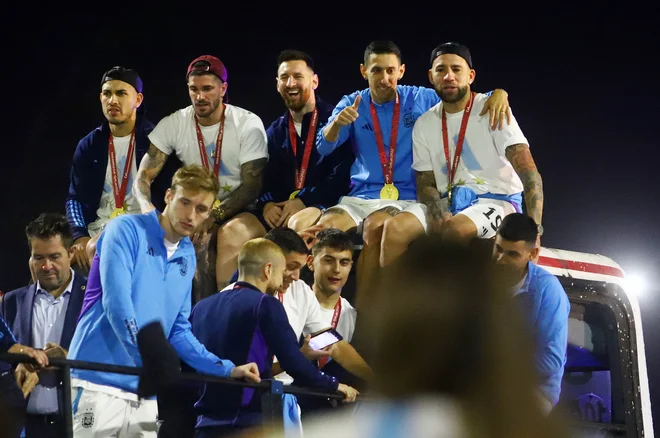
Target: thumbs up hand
point(349, 114)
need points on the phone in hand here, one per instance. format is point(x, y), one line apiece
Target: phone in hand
point(325, 339)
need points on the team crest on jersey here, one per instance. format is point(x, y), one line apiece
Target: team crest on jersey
point(408, 120)
point(183, 267)
point(87, 420)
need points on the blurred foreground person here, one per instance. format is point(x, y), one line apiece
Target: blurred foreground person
point(450, 354)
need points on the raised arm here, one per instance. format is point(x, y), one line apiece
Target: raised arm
point(336, 131)
point(150, 166)
point(523, 163)
point(498, 108)
point(252, 175)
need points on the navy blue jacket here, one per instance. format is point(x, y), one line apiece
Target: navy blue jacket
point(7, 340)
point(328, 178)
point(88, 169)
point(16, 309)
point(17, 306)
point(245, 325)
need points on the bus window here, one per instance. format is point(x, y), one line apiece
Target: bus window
point(592, 392)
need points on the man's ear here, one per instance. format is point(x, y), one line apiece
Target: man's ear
point(169, 194)
point(310, 262)
point(534, 254)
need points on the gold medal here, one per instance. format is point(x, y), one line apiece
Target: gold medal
point(389, 192)
point(294, 194)
point(117, 212)
point(216, 204)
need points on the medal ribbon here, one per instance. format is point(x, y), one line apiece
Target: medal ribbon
point(387, 165)
point(120, 191)
point(334, 322)
point(451, 167)
point(218, 144)
point(301, 173)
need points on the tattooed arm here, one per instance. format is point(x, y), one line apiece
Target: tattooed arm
point(523, 163)
point(252, 174)
point(150, 166)
point(428, 194)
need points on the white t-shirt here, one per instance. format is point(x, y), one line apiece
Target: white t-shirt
point(347, 318)
point(483, 166)
point(244, 139)
point(301, 307)
point(171, 247)
point(107, 202)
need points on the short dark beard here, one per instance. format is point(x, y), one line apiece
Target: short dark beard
point(294, 106)
point(462, 91)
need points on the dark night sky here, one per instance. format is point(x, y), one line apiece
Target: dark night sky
point(582, 84)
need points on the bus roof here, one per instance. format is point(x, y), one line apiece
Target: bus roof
point(581, 265)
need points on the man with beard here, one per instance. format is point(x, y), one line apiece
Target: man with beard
point(230, 141)
point(300, 183)
point(379, 121)
point(141, 273)
point(100, 181)
point(244, 322)
point(302, 308)
point(469, 176)
point(540, 297)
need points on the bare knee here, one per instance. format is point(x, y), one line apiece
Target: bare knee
point(372, 228)
point(238, 230)
point(337, 218)
point(457, 230)
point(90, 248)
point(401, 229)
point(304, 219)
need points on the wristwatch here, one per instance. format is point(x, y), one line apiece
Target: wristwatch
point(540, 229)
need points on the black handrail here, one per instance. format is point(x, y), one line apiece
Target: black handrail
point(66, 365)
point(135, 371)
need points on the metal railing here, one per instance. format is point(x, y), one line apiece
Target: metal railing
point(271, 397)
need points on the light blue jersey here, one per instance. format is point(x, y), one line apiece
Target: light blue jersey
point(367, 173)
point(132, 283)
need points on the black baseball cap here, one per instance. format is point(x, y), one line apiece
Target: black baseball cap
point(123, 74)
point(454, 49)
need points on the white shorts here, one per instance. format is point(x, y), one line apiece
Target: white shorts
point(100, 414)
point(358, 209)
point(486, 214)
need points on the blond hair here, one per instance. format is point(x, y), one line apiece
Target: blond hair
point(255, 254)
point(195, 177)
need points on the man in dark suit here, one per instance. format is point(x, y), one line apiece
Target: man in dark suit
point(44, 315)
